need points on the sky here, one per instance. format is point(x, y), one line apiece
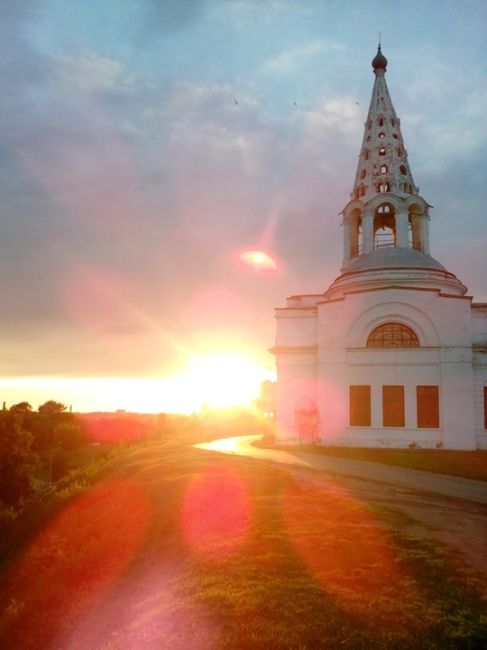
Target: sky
point(145, 145)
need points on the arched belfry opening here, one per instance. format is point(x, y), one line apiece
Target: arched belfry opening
point(385, 231)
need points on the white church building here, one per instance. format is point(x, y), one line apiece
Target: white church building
point(394, 353)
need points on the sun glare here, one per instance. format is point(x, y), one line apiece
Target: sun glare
point(215, 380)
point(258, 260)
point(220, 380)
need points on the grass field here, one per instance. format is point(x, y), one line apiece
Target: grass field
point(466, 464)
point(180, 548)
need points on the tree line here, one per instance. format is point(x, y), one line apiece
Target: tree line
point(30, 440)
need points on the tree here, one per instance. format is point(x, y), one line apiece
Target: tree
point(17, 461)
point(43, 424)
point(51, 408)
point(68, 435)
point(21, 407)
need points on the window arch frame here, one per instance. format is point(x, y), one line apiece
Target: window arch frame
point(392, 334)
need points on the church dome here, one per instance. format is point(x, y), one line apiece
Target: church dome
point(392, 257)
point(394, 267)
point(379, 62)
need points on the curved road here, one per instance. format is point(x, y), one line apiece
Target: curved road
point(448, 486)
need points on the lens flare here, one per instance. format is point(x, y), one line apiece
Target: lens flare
point(82, 553)
point(216, 514)
point(346, 552)
point(258, 260)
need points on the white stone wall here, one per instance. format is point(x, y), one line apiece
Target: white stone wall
point(296, 381)
point(479, 338)
point(479, 325)
point(320, 354)
point(480, 380)
point(296, 327)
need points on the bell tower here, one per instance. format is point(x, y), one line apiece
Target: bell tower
point(386, 209)
point(392, 354)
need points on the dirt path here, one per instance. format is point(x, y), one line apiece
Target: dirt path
point(450, 509)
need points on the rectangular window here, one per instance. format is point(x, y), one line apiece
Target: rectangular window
point(393, 406)
point(428, 407)
point(360, 406)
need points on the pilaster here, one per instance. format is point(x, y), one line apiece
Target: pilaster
point(402, 235)
point(368, 231)
point(346, 240)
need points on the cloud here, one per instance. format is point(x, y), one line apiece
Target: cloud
point(252, 8)
point(450, 125)
point(90, 72)
point(161, 18)
point(290, 60)
point(331, 117)
point(158, 171)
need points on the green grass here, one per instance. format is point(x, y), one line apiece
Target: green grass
point(180, 548)
point(466, 464)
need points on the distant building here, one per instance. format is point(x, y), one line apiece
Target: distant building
point(394, 353)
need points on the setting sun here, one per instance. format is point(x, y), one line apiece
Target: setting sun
point(217, 380)
point(223, 379)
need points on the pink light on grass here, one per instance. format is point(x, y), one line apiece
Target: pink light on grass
point(146, 611)
point(74, 561)
point(216, 514)
point(346, 551)
point(259, 261)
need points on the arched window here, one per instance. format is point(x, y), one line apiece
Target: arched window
point(383, 169)
point(384, 226)
point(380, 121)
point(382, 134)
point(382, 151)
point(363, 173)
point(366, 154)
point(403, 169)
point(399, 151)
point(392, 335)
point(383, 187)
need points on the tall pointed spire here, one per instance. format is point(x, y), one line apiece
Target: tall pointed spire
point(385, 207)
point(383, 164)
